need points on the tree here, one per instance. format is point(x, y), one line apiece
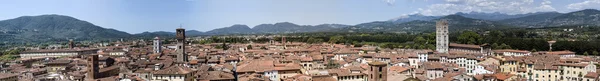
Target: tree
point(504, 46)
point(419, 40)
point(430, 38)
point(430, 46)
point(586, 53)
point(469, 37)
point(249, 46)
point(313, 40)
point(336, 39)
point(595, 53)
point(331, 64)
point(10, 55)
point(495, 46)
point(496, 34)
point(223, 46)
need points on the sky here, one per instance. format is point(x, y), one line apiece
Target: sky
point(136, 16)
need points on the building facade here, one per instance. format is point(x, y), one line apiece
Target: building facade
point(441, 28)
point(156, 45)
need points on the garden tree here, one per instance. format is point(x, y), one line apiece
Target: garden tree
point(534, 50)
point(223, 46)
point(389, 45)
point(430, 37)
point(336, 39)
point(249, 47)
point(469, 37)
point(331, 64)
point(595, 53)
point(496, 34)
point(10, 55)
point(420, 40)
point(202, 42)
point(504, 46)
point(313, 40)
point(495, 46)
point(430, 46)
point(586, 53)
point(422, 47)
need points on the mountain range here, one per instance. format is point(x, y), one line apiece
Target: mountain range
point(59, 27)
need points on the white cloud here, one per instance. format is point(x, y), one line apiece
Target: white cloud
point(502, 6)
point(390, 2)
point(584, 5)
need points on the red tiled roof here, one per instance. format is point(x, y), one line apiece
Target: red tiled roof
point(502, 76)
point(464, 45)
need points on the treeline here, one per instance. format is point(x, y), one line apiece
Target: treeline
point(524, 40)
point(521, 39)
point(10, 55)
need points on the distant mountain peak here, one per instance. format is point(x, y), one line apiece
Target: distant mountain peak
point(412, 17)
point(590, 10)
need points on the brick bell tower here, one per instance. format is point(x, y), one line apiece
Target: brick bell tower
point(93, 67)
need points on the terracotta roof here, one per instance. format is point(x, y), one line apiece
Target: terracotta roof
point(215, 75)
point(398, 68)
point(432, 65)
point(511, 50)
point(591, 75)
point(265, 65)
point(566, 52)
point(108, 68)
point(502, 76)
point(174, 70)
point(377, 63)
point(464, 45)
point(6, 75)
point(306, 59)
point(59, 50)
point(323, 78)
point(343, 72)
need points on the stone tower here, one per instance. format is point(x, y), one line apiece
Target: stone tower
point(93, 67)
point(157, 45)
point(181, 56)
point(71, 44)
point(441, 31)
point(283, 41)
point(378, 71)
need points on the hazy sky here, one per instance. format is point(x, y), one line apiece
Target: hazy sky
point(136, 16)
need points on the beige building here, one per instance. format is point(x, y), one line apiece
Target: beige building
point(56, 53)
point(174, 73)
point(9, 77)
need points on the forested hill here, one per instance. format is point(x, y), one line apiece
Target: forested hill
point(52, 28)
